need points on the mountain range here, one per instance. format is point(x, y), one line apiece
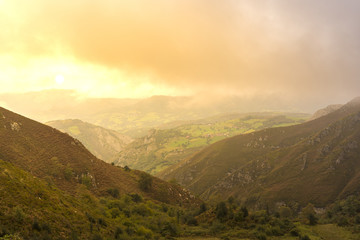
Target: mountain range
point(316, 161)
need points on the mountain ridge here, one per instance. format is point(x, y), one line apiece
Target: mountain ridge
point(47, 153)
point(252, 157)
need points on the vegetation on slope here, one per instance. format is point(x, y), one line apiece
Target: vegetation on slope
point(312, 162)
point(31, 208)
point(103, 143)
point(52, 155)
point(162, 148)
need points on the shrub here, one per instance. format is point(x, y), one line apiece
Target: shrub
point(96, 237)
point(285, 212)
point(169, 229)
point(36, 225)
point(260, 236)
point(19, 214)
point(244, 211)
point(115, 212)
point(221, 210)
point(136, 198)
point(304, 237)
point(102, 222)
point(141, 210)
point(312, 219)
point(118, 232)
point(68, 173)
point(145, 181)
point(217, 227)
point(114, 192)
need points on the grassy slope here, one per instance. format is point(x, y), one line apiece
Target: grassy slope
point(166, 147)
point(26, 201)
point(50, 154)
point(286, 163)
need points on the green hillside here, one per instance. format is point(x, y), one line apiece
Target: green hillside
point(316, 162)
point(52, 187)
point(168, 145)
point(103, 143)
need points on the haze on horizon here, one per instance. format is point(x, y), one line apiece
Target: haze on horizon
point(293, 51)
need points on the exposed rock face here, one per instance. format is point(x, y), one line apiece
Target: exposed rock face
point(317, 161)
point(325, 111)
point(103, 143)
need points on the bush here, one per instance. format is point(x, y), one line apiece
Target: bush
point(260, 236)
point(114, 192)
point(96, 237)
point(19, 214)
point(115, 212)
point(312, 219)
point(141, 210)
point(244, 211)
point(221, 210)
point(36, 225)
point(217, 227)
point(136, 198)
point(118, 232)
point(169, 229)
point(68, 173)
point(145, 182)
point(304, 237)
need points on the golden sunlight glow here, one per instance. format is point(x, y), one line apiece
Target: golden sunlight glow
point(59, 79)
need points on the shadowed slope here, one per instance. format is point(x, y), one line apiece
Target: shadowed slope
point(315, 161)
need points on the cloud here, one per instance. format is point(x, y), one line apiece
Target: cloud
point(300, 48)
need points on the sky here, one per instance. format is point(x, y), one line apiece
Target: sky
point(294, 50)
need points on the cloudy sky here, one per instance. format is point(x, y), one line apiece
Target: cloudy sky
point(298, 49)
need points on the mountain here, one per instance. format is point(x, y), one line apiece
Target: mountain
point(324, 111)
point(167, 146)
point(103, 143)
point(62, 160)
point(52, 187)
point(135, 117)
point(316, 161)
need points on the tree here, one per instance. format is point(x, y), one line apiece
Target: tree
point(145, 182)
point(244, 211)
point(221, 210)
point(285, 212)
point(308, 214)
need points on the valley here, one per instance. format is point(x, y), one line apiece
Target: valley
point(165, 146)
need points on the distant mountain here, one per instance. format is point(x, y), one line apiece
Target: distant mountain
point(103, 143)
point(167, 146)
point(135, 117)
point(325, 111)
point(62, 160)
point(317, 161)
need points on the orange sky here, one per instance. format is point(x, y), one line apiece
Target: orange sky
point(113, 48)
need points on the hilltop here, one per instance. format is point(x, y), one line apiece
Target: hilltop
point(316, 161)
point(103, 143)
point(172, 142)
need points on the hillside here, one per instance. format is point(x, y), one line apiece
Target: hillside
point(63, 161)
point(324, 111)
point(103, 143)
point(317, 161)
point(167, 146)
